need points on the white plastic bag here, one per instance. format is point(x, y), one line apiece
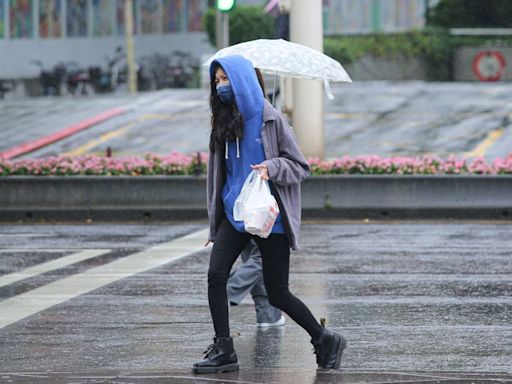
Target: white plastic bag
point(239, 207)
point(261, 209)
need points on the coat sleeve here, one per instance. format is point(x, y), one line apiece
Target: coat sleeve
point(290, 167)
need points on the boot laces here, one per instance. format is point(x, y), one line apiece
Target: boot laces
point(211, 349)
point(317, 349)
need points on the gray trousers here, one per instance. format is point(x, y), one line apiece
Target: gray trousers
point(249, 278)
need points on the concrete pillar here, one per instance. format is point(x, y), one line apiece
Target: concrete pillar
point(308, 115)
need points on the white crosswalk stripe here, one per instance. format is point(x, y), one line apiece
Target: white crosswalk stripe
point(26, 304)
point(51, 266)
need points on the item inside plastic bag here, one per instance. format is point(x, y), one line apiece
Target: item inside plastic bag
point(238, 209)
point(261, 210)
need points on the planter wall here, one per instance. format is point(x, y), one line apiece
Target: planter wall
point(370, 68)
point(184, 197)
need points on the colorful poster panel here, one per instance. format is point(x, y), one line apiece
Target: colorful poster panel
point(50, 18)
point(20, 17)
point(102, 11)
point(195, 12)
point(76, 18)
point(172, 15)
point(120, 25)
point(149, 16)
point(2, 18)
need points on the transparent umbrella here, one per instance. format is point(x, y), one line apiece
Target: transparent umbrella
point(284, 58)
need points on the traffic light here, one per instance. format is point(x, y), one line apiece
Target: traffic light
point(225, 5)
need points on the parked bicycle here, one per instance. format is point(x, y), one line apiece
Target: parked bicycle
point(53, 81)
point(106, 78)
point(5, 87)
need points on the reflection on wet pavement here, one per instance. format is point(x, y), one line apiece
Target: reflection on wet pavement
point(417, 302)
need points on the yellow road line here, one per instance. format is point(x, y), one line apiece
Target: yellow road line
point(120, 131)
point(103, 138)
point(332, 115)
point(171, 116)
point(482, 148)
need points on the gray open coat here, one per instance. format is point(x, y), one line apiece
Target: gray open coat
point(286, 165)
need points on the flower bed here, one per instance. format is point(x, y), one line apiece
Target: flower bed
point(181, 164)
point(427, 165)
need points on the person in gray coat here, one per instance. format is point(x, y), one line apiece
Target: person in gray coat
point(249, 278)
point(247, 134)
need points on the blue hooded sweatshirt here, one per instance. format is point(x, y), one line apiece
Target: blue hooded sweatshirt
point(248, 151)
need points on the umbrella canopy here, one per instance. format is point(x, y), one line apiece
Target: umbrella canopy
point(285, 58)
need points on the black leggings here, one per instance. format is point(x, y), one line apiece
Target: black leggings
point(275, 254)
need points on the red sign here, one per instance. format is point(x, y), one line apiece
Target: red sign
point(489, 65)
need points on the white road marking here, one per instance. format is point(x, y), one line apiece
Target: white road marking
point(51, 265)
point(40, 250)
point(28, 234)
point(24, 305)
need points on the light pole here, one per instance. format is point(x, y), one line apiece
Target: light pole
point(222, 22)
point(130, 55)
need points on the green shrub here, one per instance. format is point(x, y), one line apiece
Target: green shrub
point(245, 23)
point(472, 14)
point(434, 45)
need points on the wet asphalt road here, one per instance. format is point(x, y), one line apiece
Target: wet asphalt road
point(366, 118)
point(418, 302)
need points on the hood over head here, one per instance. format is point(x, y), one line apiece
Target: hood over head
point(244, 82)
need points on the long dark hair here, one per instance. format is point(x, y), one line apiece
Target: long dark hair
point(227, 122)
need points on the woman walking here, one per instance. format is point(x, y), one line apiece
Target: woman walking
point(249, 134)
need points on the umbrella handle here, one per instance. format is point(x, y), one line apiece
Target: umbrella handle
point(274, 90)
point(328, 89)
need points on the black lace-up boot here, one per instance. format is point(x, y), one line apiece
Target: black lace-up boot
point(328, 349)
point(220, 357)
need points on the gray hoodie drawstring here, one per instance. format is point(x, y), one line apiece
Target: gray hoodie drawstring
point(237, 149)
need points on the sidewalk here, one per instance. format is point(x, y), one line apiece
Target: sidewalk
point(417, 302)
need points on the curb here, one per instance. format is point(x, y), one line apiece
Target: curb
point(176, 198)
point(71, 130)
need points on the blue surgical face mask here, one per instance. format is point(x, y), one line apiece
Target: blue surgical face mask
point(225, 93)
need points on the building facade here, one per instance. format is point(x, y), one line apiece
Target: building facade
point(88, 31)
point(343, 17)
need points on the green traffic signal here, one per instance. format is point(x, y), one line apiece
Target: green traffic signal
point(225, 5)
